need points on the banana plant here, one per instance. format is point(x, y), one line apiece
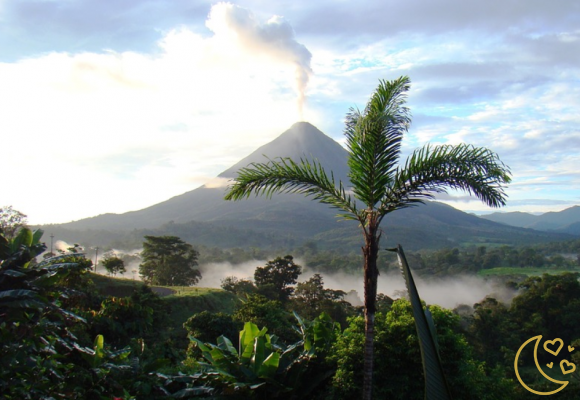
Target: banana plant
point(21, 249)
point(255, 362)
point(263, 365)
point(99, 356)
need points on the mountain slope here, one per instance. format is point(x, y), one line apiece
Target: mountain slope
point(202, 216)
point(565, 221)
point(206, 203)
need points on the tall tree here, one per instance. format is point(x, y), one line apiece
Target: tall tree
point(379, 183)
point(113, 264)
point(11, 221)
point(168, 260)
point(274, 279)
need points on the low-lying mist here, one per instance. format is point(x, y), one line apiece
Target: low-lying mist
point(448, 292)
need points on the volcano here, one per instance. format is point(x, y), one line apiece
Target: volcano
point(206, 203)
point(202, 215)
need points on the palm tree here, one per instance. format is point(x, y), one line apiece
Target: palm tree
point(379, 184)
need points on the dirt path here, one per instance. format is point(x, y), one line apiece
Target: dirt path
point(161, 291)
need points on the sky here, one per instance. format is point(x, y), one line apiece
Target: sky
point(108, 107)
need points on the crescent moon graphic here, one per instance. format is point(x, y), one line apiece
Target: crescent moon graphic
point(537, 339)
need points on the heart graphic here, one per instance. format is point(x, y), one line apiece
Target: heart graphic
point(567, 363)
point(554, 342)
point(550, 365)
point(570, 349)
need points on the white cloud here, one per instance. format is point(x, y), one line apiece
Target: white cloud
point(117, 125)
point(169, 114)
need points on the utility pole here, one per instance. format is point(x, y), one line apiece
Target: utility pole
point(51, 238)
point(96, 259)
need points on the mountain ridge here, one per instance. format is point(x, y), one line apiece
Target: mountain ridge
point(565, 221)
point(295, 217)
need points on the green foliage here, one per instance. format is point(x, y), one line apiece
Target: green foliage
point(274, 279)
point(11, 221)
point(123, 318)
point(493, 333)
point(264, 312)
point(378, 181)
point(262, 367)
point(398, 352)
point(482, 259)
point(548, 305)
point(205, 326)
point(40, 356)
point(21, 249)
point(114, 265)
point(169, 261)
point(311, 298)
point(239, 287)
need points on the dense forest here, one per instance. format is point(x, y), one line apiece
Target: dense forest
point(68, 333)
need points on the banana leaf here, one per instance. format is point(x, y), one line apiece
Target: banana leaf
point(436, 387)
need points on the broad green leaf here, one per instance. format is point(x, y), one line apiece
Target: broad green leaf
point(200, 344)
point(123, 354)
point(17, 294)
point(219, 359)
point(269, 366)
point(24, 238)
point(99, 347)
point(225, 344)
point(71, 315)
point(37, 235)
point(247, 336)
point(23, 304)
point(259, 353)
point(14, 274)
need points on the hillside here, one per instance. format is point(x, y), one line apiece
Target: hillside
point(201, 216)
point(565, 221)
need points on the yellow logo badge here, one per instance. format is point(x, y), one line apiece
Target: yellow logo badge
point(553, 347)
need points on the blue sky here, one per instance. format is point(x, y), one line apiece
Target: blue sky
point(116, 106)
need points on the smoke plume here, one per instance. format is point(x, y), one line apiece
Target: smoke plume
point(275, 38)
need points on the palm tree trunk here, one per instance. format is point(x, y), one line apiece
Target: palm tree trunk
point(370, 254)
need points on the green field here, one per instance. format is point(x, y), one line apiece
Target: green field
point(113, 286)
point(529, 271)
point(183, 301)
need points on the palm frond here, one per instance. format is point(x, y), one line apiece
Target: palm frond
point(432, 169)
point(436, 387)
point(283, 175)
point(373, 139)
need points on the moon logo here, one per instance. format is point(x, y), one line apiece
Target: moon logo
point(538, 339)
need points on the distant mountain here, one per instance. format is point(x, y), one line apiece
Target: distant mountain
point(202, 216)
point(565, 221)
point(206, 203)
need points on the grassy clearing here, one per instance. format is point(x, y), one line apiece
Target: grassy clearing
point(184, 301)
point(112, 286)
point(529, 271)
point(188, 291)
point(122, 287)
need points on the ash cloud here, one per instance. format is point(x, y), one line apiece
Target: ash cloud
point(275, 38)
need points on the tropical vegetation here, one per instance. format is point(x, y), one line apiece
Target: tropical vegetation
point(379, 183)
point(64, 338)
